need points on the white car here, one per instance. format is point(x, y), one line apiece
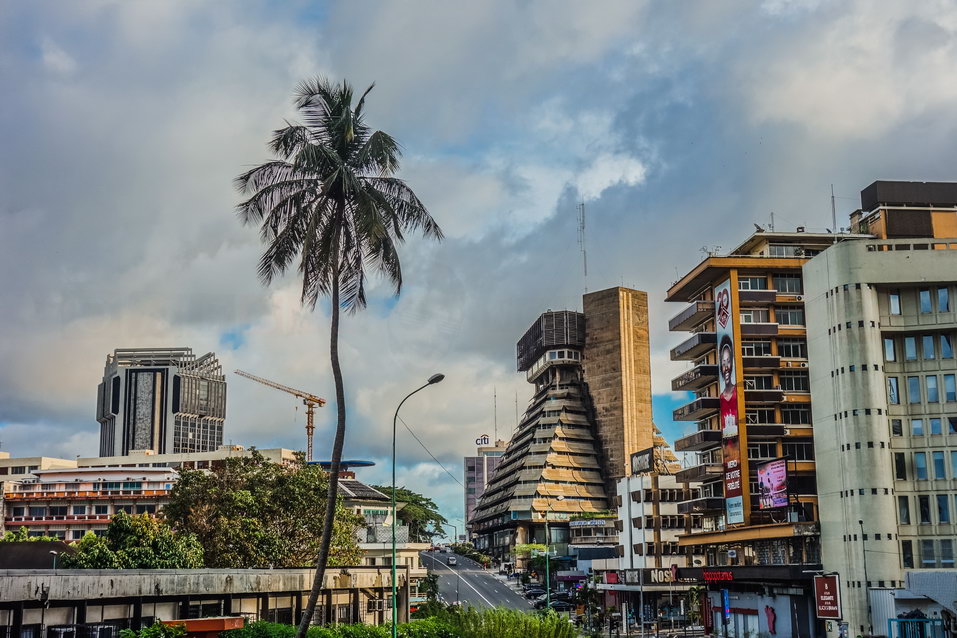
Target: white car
point(452, 561)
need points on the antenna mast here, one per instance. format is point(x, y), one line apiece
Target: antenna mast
point(833, 214)
point(581, 240)
point(495, 417)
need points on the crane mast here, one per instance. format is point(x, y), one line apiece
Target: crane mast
point(309, 400)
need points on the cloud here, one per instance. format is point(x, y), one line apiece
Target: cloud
point(56, 59)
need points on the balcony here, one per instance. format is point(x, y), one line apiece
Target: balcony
point(700, 473)
point(757, 397)
point(756, 297)
point(695, 378)
point(759, 329)
point(694, 346)
point(700, 505)
point(700, 440)
point(761, 363)
point(692, 316)
point(697, 409)
point(765, 430)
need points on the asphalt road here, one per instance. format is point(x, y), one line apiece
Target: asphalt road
point(470, 584)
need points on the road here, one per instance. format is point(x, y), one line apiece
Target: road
point(473, 585)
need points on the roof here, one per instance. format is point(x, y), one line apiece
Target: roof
point(351, 488)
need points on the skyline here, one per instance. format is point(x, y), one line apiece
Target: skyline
point(130, 121)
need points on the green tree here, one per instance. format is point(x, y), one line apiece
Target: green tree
point(331, 202)
point(23, 535)
point(136, 542)
point(418, 513)
point(253, 513)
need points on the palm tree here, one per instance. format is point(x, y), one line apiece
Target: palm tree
point(330, 201)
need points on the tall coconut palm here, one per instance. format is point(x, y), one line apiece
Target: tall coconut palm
point(330, 201)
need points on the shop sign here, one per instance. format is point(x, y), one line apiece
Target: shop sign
point(714, 577)
point(598, 522)
point(726, 603)
point(483, 440)
point(827, 596)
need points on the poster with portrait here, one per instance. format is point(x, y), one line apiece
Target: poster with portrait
point(728, 400)
point(773, 484)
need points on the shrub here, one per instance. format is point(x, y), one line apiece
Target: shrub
point(156, 630)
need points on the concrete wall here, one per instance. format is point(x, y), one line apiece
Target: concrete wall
point(617, 368)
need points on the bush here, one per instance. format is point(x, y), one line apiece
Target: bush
point(156, 630)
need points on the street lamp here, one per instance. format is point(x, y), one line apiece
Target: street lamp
point(866, 582)
point(548, 557)
point(435, 378)
point(458, 574)
point(55, 554)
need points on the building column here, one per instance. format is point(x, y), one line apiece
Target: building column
point(355, 605)
point(137, 621)
point(228, 605)
point(17, 624)
point(183, 609)
point(264, 607)
point(329, 615)
point(297, 606)
point(79, 613)
point(404, 596)
point(382, 608)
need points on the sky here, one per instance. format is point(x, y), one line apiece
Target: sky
point(678, 124)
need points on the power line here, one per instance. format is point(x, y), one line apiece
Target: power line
point(454, 478)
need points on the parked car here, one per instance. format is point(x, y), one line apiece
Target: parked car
point(534, 592)
point(451, 562)
point(562, 605)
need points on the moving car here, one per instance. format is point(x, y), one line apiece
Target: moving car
point(534, 592)
point(452, 561)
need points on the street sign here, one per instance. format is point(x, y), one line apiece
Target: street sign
point(827, 596)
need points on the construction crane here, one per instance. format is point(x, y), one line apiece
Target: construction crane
point(309, 400)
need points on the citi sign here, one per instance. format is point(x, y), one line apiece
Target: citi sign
point(482, 440)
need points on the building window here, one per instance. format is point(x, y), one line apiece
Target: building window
point(920, 466)
point(953, 465)
point(792, 348)
point(907, 553)
point(76, 534)
point(785, 250)
point(79, 510)
point(903, 510)
point(758, 382)
point(897, 428)
point(927, 347)
point(900, 468)
point(943, 508)
point(789, 316)
point(937, 457)
point(932, 395)
point(935, 426)
point(38, 511)
point(794, 415)
point(910, 348)
point(799, 451)
point(893, 394)
point(946, 350)
point(755, 348)
point(755, 315)
point(917, 427)
point(788, 283)
point(894, 302)
point(762, 451)
point(946, 552)
point(752, 283)
point(913, 389)
point(923, 506)
point(795, 381)
point(950, 388)
point(927, 558)
point(755, 416)
point(925, 304)
point(101, 510)
point(889, 353)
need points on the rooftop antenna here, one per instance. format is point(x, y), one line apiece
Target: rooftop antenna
point(833, 213)
point(516, 409)
point(581, 240)
point(772, 221)
point(495, 410)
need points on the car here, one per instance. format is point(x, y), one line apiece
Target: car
point(451, 562)
point(562, 605)
point(534, 593)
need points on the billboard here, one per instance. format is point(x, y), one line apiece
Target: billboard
point(642, 461)
point(728, 399)
point(773, 484)
point(827, 596)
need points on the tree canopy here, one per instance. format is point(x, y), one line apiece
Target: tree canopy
point(250, 512)
point(135, 542)
point(418, 513)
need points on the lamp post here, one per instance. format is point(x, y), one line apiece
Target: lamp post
point(867, 595)
point(548, 556)
point(55, 555)
point(435, 378)
point(458, 574)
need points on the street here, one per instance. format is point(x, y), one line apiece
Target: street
point(470, 584)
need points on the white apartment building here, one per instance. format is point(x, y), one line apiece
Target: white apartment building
point(882, 329)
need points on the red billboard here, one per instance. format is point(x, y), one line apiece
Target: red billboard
point(728, 401)
point(827, 596)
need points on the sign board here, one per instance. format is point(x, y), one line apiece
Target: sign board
point(773, 484)
point(483, 440)
point(642, 461)
point(726, 603)
point(728, 403)
point(827, 596)
point(594, 522)
point(714, 577)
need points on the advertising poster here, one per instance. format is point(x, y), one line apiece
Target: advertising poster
point(827, 596)
point(642, 461)
point(773, 484)
point(728, 395)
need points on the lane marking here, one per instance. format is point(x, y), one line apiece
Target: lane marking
point(464, 580)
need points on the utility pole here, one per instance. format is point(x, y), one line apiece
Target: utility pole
point(581, 241)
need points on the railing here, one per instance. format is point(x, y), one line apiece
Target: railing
point(703, 504)
point(697, 409)
point(691, 316)
point(695, 378)
point(697, 441)
point(694, 346)
point(701, 472)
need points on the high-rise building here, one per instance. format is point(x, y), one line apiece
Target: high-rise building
point(161, 399)
point(882, 326)
point(556, 466)
point(754, 440)
point(479, 470)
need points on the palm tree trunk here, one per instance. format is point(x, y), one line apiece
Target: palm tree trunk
point(333, 470)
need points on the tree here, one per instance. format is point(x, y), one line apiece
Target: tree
point(136, 542)
point(249, 512)
point(22, 535)
point(417, 513)
point(330, 200)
